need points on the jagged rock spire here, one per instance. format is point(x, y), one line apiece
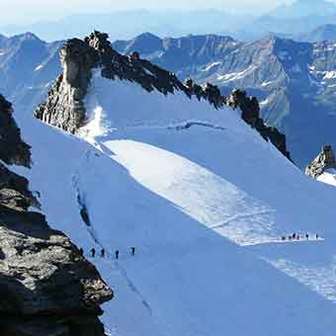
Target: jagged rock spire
point(324, 161)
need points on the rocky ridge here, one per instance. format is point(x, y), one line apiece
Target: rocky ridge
point(65, 109)
point(251, 115)
point(324, 161)
point(293, 81)
point(46, 286)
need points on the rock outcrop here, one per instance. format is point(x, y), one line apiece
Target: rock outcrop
point(12, 149)
point(46, 286)
point(324, 161)
point(64, 107)
point(250, 109)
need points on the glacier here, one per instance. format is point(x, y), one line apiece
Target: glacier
point(204, 200)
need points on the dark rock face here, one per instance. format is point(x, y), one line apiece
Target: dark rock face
point(12, 149)
point(64, 107)
point(46, 286)
point(324, 161)
point(251, 115)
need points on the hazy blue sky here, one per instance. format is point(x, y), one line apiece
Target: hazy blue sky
point(23, 11)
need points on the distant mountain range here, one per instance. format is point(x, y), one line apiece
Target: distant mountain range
point(294, 81)
point(127, 24)
point(304, 8)
point(322, 33)
point(27, 66)
point(293, 20)
point(300, 17)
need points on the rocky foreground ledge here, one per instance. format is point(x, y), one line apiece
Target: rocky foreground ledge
point(46, 286)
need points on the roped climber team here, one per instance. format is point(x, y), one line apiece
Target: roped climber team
point(291, 237)
point(296, 236)
point(93, 252)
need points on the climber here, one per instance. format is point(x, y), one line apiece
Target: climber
point(133, 251)
point(294, 235)
point(81, 251)
point(307, 236)
point(317, 237)
point(117, 254)
point(102, 253)
point(93, 252)
point(283, 238)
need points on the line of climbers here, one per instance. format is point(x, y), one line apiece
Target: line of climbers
point(103, 253)
point(296, 236)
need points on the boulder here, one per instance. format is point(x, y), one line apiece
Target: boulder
point(324, 161)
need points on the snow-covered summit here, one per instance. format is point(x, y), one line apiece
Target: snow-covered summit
point(230, 237)
point(84, 61)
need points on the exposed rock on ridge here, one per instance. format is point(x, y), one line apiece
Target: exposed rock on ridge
point(46, 285)
point(12, 149)
point(324, 161)
point(251, 115)
point(64, 107)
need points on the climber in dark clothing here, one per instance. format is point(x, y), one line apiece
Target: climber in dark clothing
point(307, 236)
point(81, 251)
point(93, 252)
point(102, 253)
point(133, 251)
point(117, 254)
point(317, 237)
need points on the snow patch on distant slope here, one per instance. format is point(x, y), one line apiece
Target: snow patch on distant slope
point(211, 66)
point(39, 67)
point(236, 75)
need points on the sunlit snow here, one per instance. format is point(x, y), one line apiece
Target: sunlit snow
point(205, 201)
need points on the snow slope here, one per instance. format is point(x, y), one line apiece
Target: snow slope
point(205, 201)
point(328, 177)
